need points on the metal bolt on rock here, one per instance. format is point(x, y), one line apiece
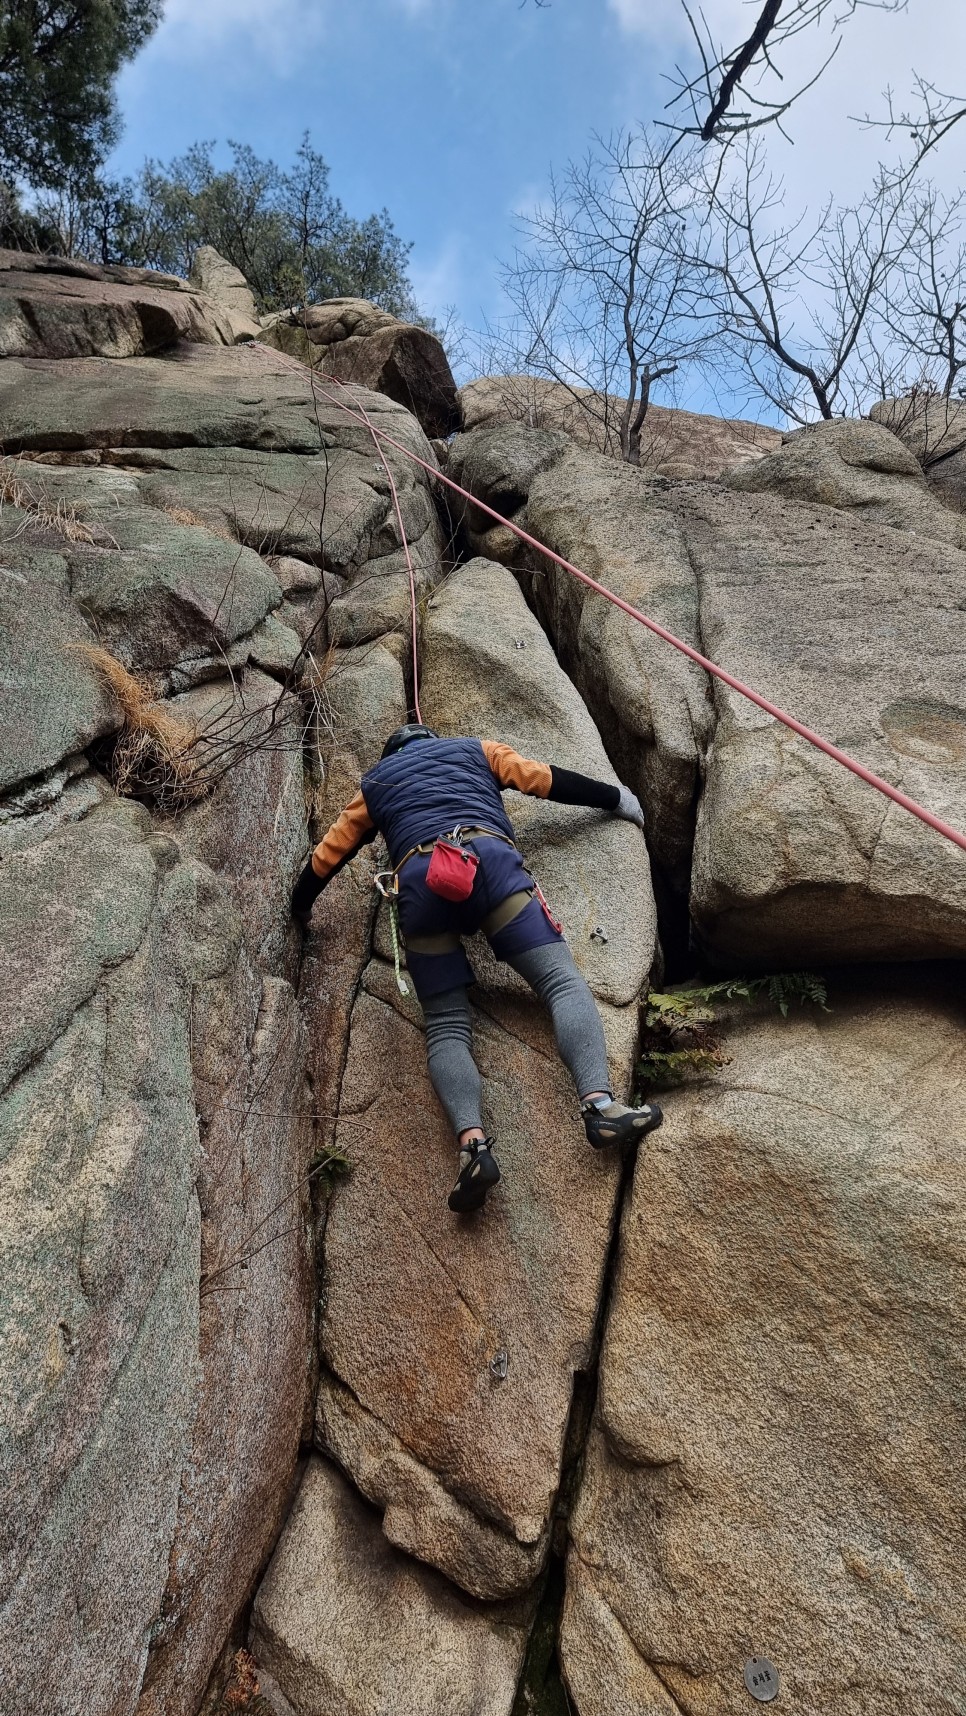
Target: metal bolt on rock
point(762, 1679)
point(499, 1365)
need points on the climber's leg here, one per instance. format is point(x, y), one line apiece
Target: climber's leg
point(449, 1050)
point(456, 1081)
point(551, 972)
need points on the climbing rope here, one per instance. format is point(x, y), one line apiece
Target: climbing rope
point(813, 738)
point(380, 438)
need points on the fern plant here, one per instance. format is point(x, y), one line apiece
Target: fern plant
point(682, 1034)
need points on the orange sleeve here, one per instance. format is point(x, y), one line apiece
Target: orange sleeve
point(512, 770)
point(347, 832)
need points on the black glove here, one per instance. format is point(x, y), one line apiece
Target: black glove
point(304, 895)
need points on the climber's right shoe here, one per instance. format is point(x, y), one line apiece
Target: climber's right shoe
point(478, 1174)
point(610, 1123)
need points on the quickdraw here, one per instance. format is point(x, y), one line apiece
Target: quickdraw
point(386, 883)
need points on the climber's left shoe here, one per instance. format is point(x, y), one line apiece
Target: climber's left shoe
point(478, 1174)
point(609, 1123)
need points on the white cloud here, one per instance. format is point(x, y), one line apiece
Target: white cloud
point(438, 281)
point(276, 33)
point(664, 21)
point(830, 153)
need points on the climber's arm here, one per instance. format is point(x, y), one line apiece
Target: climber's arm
point(561, 786)
point(348, 834)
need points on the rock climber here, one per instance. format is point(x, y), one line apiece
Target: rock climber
point(456, 869)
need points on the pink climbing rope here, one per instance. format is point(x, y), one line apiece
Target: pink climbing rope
point(816, 739)
point(821, 744)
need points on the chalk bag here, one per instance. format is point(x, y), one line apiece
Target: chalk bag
point(452, 871)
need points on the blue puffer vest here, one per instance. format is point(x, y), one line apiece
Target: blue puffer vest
point(427, 788)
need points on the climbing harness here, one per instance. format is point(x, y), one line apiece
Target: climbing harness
point(451, 874)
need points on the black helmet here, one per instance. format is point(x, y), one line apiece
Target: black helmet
point(403, 735)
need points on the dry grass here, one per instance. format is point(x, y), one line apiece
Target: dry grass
point(182, 515)
point(155, 755)
point(242, 1691)
point(57, 515)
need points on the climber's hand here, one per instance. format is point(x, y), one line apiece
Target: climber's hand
point(629, 807)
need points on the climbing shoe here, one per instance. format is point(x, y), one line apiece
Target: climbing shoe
point(608, 1123)
point(478, 1174)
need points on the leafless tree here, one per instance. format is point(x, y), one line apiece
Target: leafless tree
point(733, 91)
point(919, 345)
point(604, 300)
point(929, 117)
point(813, 312)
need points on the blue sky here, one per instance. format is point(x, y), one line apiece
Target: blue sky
point(450, 113)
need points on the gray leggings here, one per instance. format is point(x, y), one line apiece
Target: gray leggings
point(551, 972)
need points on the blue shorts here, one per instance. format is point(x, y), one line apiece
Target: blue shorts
point(501, 872)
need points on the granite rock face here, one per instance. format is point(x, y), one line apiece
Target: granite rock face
point(791, 859)
point(853, 466)
point(158, 1121)
point(781, 1398)
point(100, 1228)
point(684, 444)
point(417, 1306)
point(348, 1626)
point(227, 287)
point(52, 307)
point(364, 346)
point(185, 1300)
point(51, 706)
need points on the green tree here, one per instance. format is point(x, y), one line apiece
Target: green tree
point(291, 238)
point(58, 61)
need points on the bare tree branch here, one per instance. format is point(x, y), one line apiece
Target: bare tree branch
point(603, 298)
point(726, 77)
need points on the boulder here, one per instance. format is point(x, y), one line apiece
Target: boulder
point(674, 443)
point(254, 1361)
point(934, 430)
point(781, 1402)
point(52, 307)
point(250, 828)
point(360, 344)
point(861, 466)
point(100, 1226)
point(416, 1305)
point(651, 704)
point(498, 464)
point(796, 861)
point(226, 286)
point(347, 1626)
point(51, 705)
point(196, 396)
